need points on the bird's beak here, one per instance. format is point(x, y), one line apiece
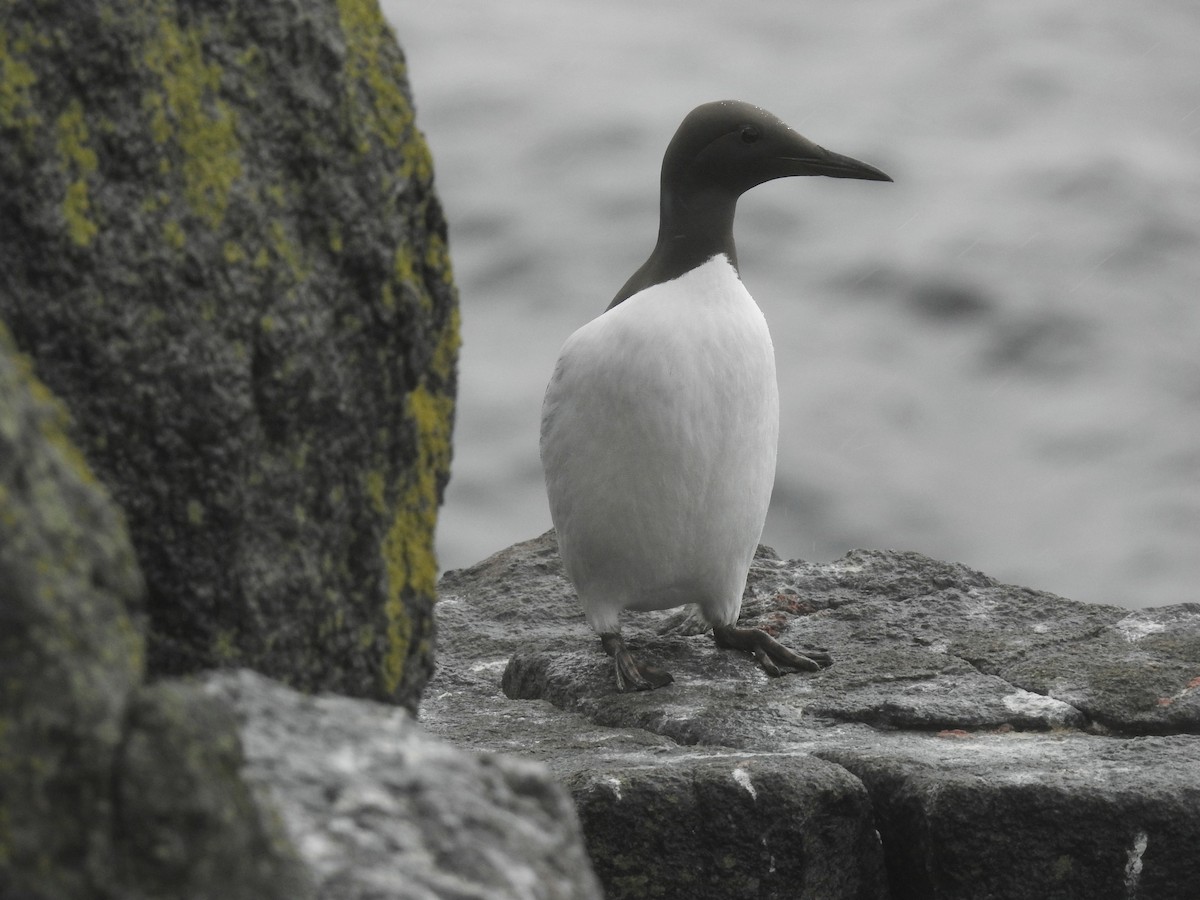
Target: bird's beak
point(819, 161)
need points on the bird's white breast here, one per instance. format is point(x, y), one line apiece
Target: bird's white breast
point(659, 433)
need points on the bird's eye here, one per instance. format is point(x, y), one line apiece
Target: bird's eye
point(750, 134)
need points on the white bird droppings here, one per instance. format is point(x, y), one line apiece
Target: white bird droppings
point(1136, 626)
point(1028, 703)
point(742, 777)
point(615, 783)
point(1133, 866)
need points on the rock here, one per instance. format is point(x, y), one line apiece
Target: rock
point(984, 723)
point(1033, 815)
point(227, 258)
point(380, 809)
point(236, 788)
point(107, 789)
point(760, 826)
point(70, 647)
point(187, 825)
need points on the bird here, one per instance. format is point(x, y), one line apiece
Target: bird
point(660, 422)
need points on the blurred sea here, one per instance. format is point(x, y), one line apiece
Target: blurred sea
point(996, 360)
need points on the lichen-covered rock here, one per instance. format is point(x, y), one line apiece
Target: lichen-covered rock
point(187, 826)
point(106, 789)
point(224, 252)
point(380, 809)
point(70, 647)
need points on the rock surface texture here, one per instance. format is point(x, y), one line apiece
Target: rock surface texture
point(235, 787)
point(972, 739)
point(380, 809)
point(108, 788)
point(70, 649)
point(223, 251)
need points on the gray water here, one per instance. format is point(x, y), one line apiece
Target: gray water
point(996, 360)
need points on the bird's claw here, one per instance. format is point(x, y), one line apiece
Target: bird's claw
point(631, 674)
point(774, 658)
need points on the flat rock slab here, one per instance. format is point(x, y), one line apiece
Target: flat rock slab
point(1000, 741)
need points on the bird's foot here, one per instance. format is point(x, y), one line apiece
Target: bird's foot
point(772, 656)
point(631, 674)
point(687, 620)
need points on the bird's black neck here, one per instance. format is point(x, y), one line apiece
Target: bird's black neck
point(694, 226)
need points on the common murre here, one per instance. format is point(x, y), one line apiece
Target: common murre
point(661, 420)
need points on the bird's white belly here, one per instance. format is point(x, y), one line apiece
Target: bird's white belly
point(659, 436)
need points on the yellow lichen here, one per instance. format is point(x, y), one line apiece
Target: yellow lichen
point(287, 251)
point(174, 234)
point(410, 560)
point(401, 550)
point(437, 258)
point(375, 74)
point(417, 160)
point(73, 137)
point(190, 114)
point(374, 62)
point(445, 354)
point(251, 57)
point(76, 207)
point(79, 161)
point(16, 79)
point(56, 421)
point(234, 253)
point(195, 512)
point(154, 201)
point(402, 265)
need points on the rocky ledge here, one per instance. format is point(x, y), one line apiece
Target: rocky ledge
point(972, 739)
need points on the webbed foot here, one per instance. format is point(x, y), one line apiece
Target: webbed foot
point(772, 656)
point(631, 674)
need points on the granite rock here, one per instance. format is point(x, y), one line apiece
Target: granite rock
point(70, 646)
point(224, 253)
point(716, 826)
point(107, 788)
point(187, 825)
point(381, 809)
point(985, 723)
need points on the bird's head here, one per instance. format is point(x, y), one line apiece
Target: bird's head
point(731, 146)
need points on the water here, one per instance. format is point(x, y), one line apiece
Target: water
point(995, 360)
